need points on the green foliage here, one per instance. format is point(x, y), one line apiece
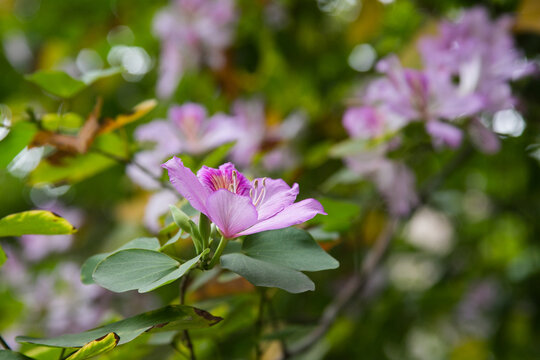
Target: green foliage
point(91, 263)
point(173, 317)
point(12, 355)
point(56, 82)
point(61, 84)
point(20, 136)
point(276, 258)
point(96, 347)
point(34, 222)
point(140, 269)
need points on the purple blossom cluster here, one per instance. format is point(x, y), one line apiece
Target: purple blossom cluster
point(192, 32)
point(466, 78)
point(189, 129)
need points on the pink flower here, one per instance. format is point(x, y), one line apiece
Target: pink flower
point(188, 129)
point(192, 32)
point(238, 206)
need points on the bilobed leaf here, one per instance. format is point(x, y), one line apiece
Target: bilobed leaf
point(35, 222)
point(290, 247)
point(12, 355)
point(91, 263)
point(185, 267)
point(19, 137)
point(276, 258)
point(173, 317)
point(140, 269)
point(261, 273)
point(96, 347)
point(56, 82)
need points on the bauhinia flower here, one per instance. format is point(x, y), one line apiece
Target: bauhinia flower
point(238, 206)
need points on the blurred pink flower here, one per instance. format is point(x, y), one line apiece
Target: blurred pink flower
point(192, 32)
point(481, 53)
point(188, 129)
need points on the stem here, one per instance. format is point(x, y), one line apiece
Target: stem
point(189, 345)
point(62, 354)
point(183, 287)
point(4, 343)
point(259, 324)
point(221, 246)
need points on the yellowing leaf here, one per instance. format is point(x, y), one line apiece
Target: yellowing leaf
point(35, 222)
point(122, 120)
point(528, 16)
point(96, 347)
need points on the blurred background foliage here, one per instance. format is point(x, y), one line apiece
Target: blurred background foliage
point(461, 278)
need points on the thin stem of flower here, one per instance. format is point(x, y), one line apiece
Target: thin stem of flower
point(259, 324)
point(164, 184)
point(4, 343)
point(189, 345)
point(62, 354)
point(221, 246)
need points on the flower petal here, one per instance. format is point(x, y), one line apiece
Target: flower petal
point(278, 195)
point(292, 215)
point(230, 212)
point(187, 184)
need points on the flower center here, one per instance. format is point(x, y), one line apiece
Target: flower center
point(226, 177)
point(258, 191)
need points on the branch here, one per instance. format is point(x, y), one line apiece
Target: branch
point(4, 343)
point(357, 283)
point(353, 287)
point(164, 184)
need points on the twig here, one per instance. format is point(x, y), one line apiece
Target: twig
point(4, 343)
point(163, 184)
point(259, 324)
point(189, 345)
point(183, 287)
point(353, 287)
point(357, 283)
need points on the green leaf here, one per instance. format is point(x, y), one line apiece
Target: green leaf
point(96, 347)
point(216, 157)
point(185, 267)
point(140, 269)
point(12, 355)
point(92, 76)
point(340, 214)
point(173, 317)
point(275, 259)
point(56, 82)
point(75, 169)
point(262, 273)
point(61, 84)
point(18, 138)
point(92, 262)
point(68, 121)
point(35, 222)
point(3, 257)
